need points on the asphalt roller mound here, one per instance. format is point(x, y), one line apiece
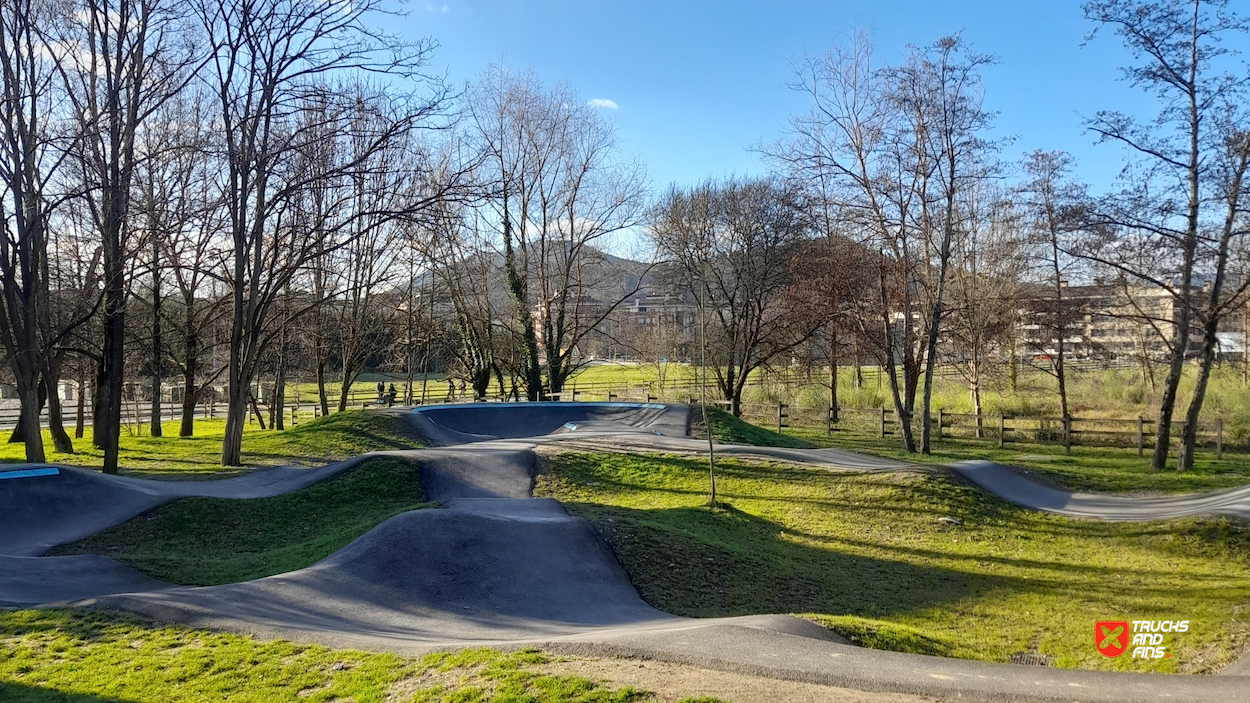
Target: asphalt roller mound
point(478, 422)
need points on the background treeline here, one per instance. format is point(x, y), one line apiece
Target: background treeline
point(232, 194)
point(896, 227)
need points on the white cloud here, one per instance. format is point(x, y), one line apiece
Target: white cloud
point(603, 102)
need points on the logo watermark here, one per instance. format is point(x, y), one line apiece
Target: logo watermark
point(1149, 637)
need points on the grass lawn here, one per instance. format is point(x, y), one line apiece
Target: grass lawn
point(337, 436)
point(209, 541)
point(866, 555)
point(54, 656)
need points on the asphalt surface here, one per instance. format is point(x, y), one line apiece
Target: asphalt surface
point(496, 567)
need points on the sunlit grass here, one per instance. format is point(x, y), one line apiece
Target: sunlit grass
point(337, 436)
point(910, 561)
point(209, 541)
point(55, 656)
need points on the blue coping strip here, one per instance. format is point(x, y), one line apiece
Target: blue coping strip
point(29, 473)
point(541, 404)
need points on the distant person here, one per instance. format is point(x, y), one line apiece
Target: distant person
point(381, 392)
point(390, 395)
point(462, 388)
point(451, 389)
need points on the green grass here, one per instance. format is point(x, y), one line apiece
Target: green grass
point(731, 430)
point(866, 555)
point(337, 436)
point(56, 656)
point(208, 541)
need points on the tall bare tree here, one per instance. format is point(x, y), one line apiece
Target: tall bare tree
point(121, 60)
point(1053, 203)
point(733, 245)
point(1180, 168)
point(29, 157)
point(270, 60)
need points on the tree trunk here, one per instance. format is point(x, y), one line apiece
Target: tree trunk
point(935, 321)
point(833, 374)
point(516, 286)
point(20, 434)
point(1189, 432)
point(279, 396)
point(236, 414)
point(30, 419)
point(190, 367)
point(98, 421)
point(322, 397)
point(1176, 367)
point(81, 421)
point(56, 422)
point(974, 388)
point(186, 428)
point(157, 352)
point(901, 411)
point(345, 386)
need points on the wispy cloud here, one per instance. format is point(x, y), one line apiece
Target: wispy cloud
point(603, 102)
point(432, 8)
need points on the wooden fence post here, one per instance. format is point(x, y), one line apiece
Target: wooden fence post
point(780, 415)
point(829, 421)
point(1140, 435)
point(939, 425)
point(883, 422)
point(1067, 435)
point(294, 411)
point(1002, 429)
point(1219, 438)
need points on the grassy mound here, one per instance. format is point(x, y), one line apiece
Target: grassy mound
point(210, 541)
point(731, 430)
point(331, 438)
point(55, 656)
point(911, 562)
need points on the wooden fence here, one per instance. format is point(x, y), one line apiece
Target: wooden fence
point(998, 429)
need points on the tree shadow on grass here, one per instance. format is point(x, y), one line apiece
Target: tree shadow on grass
point(698, 563)
point(22, 693)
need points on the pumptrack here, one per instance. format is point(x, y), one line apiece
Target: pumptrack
point(496, 567)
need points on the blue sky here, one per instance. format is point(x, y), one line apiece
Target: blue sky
point(697, 83)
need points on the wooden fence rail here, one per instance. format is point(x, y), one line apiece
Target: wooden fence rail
point(1000, 429)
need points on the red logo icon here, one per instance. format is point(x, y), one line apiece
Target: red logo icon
point(1111, 637)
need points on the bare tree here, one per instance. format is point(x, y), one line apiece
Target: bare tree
point(990, 258)
point(1170, 195)
point(29, 158)
point(733, 245)
point(938, 90)
point(563, 190)
point(271, 59)
point(120, 61)
point(896, 147)
point(1052, 202)
point(179, 214)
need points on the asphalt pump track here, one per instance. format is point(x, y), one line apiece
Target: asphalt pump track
point(497, 567)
